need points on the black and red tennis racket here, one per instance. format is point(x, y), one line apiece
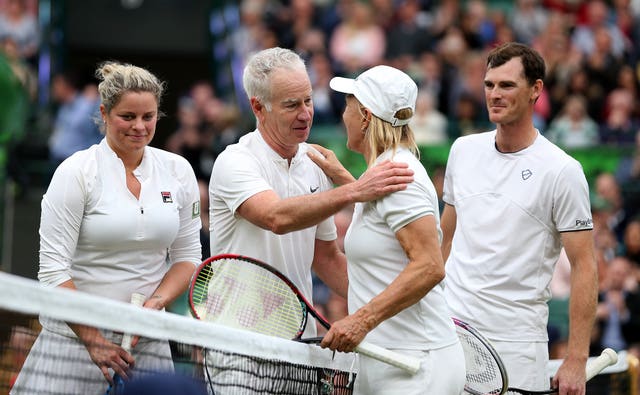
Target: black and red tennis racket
point(486, 373)
point(245, 293)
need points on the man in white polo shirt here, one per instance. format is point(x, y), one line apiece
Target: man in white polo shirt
point(268, 200)
point(513, 199)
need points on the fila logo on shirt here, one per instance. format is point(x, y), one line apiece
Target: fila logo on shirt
point(166, 197)
point(526, 174)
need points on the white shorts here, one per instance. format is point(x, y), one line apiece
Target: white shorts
point(526, 364)
point(442, 372)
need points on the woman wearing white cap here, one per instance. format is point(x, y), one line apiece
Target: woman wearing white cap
point(393, 248)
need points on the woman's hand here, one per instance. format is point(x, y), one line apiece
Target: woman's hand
point(330, 165)
point(104, 353)
point(345, 334)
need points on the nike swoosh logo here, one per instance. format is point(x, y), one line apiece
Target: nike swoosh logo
point(312, 189)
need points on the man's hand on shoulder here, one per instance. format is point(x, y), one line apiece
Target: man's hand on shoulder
point(385, 178)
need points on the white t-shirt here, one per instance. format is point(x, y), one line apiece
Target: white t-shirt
point(95, 232)
point(511, 209)
point(375, 258)
point(247, 168)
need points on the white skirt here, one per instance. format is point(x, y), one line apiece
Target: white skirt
point(59, 364)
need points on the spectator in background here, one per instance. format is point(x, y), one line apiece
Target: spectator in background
point(428, 74)
point(631, 242)
point(628, 176)
point(529, 20)
point(14, 99)
point(468, 118)
point(187, 140)
point(20, 67)
point(428, 124)
point(20, 25)
point(408, 37)
point(597, 17)
point(602, 68)
point(562, 58)
point(357, 42)
point(573, 128)
point(446, 13)
point(477, 28)
point(620, 124)
point(326, 104)
point(604, 239)
point(618, 310)
point(607, 188)
point(452, 50)
point(75, 127)
point(628, 81)
point(470, 81)
point(293, 19)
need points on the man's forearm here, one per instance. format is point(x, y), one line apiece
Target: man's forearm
point(582, 309)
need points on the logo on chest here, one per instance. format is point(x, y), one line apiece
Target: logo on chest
point(166, 197)
point(526, 174)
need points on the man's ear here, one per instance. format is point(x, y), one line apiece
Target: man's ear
point(537, 90)
point(256, 105)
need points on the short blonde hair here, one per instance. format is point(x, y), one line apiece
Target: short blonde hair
point(119, 78)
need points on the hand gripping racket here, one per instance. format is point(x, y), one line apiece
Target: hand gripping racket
point(127, 338)
point(242, 292)
point(486, 374)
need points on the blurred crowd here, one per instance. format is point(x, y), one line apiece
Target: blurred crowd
point(592, 52)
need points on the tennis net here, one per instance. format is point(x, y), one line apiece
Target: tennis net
point(173, 350)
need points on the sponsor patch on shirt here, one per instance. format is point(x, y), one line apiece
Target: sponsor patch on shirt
point(166, 197)
point(195, 210)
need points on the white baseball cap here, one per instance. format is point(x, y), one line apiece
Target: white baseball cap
point(382, 89)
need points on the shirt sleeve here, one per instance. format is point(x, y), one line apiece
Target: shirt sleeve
point(186, 247)
point(571, 205)
point(62, 212)
point(448, 194)
point(417, 200)
point(236, 177)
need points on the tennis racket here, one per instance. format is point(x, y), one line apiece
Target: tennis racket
point(245, 293)
point(487, 375)
point(127, 338)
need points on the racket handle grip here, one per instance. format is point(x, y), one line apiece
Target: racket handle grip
point(595, 366)
point(137, 299)
point(405, 362)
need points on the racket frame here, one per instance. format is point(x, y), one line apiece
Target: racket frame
point(467, 328)
point(593, 367)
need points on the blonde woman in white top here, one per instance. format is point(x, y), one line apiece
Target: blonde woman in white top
point(396, 298)
point(109, 218)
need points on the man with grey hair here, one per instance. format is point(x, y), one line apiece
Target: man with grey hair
point(268, 200)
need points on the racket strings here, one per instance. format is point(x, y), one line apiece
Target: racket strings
point(245, 296)
point(483, 373)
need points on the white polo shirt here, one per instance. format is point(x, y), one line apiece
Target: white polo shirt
point(511, 209)
point(250, 167)
point(94, 231)
point(376, 258)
